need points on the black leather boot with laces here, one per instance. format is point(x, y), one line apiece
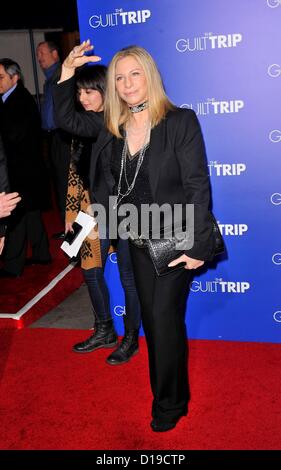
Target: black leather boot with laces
point(128, 347)
point(103, 337)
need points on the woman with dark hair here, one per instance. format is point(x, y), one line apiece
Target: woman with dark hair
point(90, 88)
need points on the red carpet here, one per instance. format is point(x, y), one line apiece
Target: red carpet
point(16, 293)
point(52, 398)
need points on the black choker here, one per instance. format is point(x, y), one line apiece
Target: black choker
point(138, 107)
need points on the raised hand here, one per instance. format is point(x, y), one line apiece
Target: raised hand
point(77, 58)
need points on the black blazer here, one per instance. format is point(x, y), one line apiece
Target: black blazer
point(177, 167)
point(20, 128)
point(4, 184)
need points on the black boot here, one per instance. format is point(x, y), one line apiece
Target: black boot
point(103, 337)
point(128, 347)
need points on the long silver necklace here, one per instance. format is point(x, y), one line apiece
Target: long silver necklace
point(130, 186)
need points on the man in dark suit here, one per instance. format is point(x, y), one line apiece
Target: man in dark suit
point(58, 141)
point(8, 201)
point(21, 133)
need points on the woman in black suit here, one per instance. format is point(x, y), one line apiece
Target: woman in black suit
point(149, 151)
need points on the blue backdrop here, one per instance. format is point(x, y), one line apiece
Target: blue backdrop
point(221, 59)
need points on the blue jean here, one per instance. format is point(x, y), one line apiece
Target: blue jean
point(98, 289)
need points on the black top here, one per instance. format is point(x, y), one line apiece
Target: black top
point(141, 193)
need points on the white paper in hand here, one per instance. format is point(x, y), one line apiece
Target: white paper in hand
point(87, 223)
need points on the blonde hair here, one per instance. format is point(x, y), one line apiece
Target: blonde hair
point(116, 111)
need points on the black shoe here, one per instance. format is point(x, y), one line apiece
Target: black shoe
point(157, 425)
point(6, 274)
point(32, 261)
point(128, 347)
point(58, 236)
point(155, 414)
point(103, 337)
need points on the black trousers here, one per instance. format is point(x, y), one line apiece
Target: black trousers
point(98, 290)
point(59, 143)
point(25, 227)
point(163, 302)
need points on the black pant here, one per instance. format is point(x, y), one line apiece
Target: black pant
point(163, 301)
point(59, 143)
point(25, 227)
point(99, 292)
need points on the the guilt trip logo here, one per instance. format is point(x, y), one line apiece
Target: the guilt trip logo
point(226, 169)
point(220, 286)
point(234, 230)
point(119, 18)
point(215, 107)
point(208, 41)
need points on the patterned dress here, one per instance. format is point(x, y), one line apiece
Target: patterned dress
point(78, 199)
